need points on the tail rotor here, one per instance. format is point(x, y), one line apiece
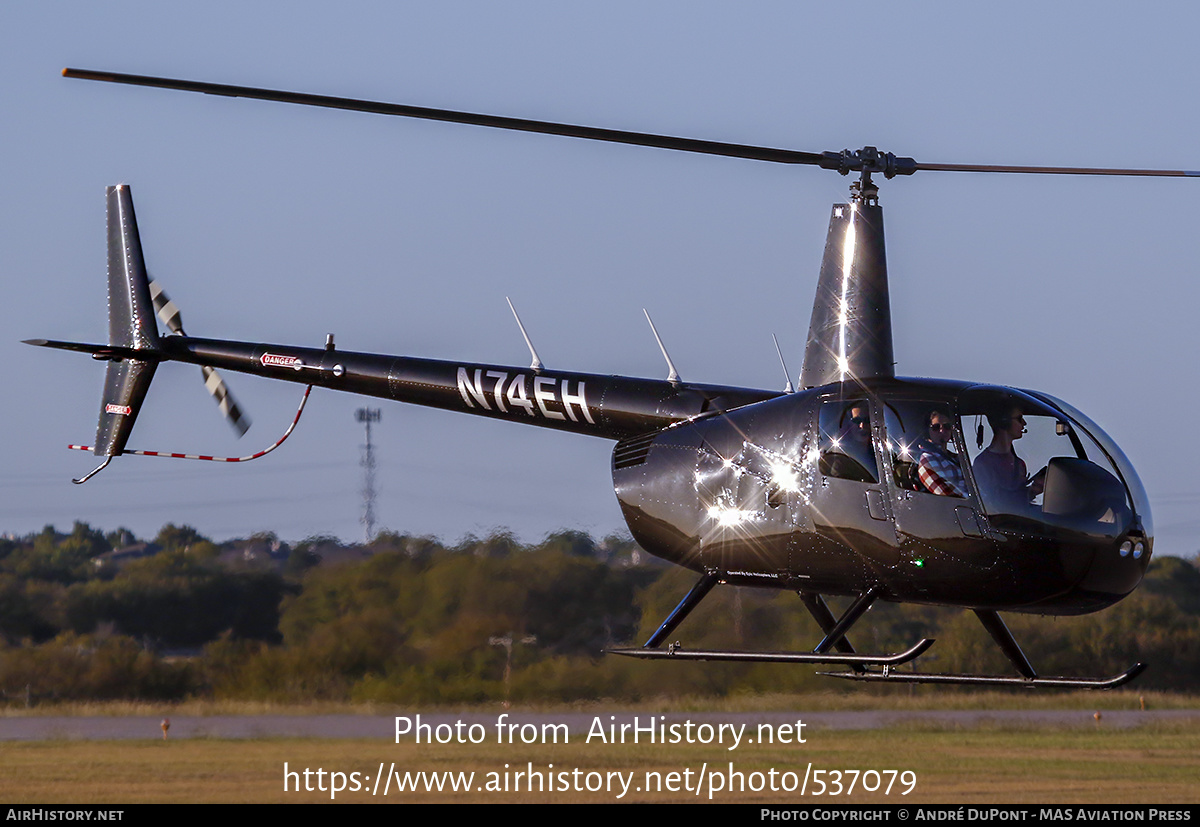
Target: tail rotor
point(169, 313)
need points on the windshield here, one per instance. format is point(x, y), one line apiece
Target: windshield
point(1141, 500)
point(1033, 466)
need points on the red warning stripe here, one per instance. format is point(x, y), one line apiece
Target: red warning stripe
point(262, 453)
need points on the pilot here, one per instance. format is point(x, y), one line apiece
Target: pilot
point(998, 469)
point(938, 469)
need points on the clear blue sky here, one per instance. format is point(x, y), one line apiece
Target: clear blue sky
point(276, 223)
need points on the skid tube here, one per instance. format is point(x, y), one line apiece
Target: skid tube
point(888, 676)
point(676, 652)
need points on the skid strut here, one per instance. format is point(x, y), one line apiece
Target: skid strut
point(835, 631)
point(857, 609)
point(835, 635)
point(819, 609)
point(1000, 633)
point(690, 601)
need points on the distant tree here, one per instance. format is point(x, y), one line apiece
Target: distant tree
point(73, 667)
point(57, 557)
point(417, 548)
point(178, 538)
point(575, 543)
point(29, 609)
point(7, 547)
point(180, 599)
point(1175, 580)
point(120, 538)
point(497, 544)
point(299, 561)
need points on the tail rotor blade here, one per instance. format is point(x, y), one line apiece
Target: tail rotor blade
point(171, 317)
point(166, 309)
point(229, 406)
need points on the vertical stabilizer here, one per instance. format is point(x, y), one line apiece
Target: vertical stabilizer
point(130, 308)
point(131, 324)
point(850, 336)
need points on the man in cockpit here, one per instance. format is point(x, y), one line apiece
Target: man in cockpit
point(998, 470)
point(938, 469)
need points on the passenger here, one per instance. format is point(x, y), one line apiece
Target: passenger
point(998, 470)
point(938, 468)
point(851, 455)
point(858, 425)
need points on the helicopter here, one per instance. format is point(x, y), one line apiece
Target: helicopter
point(856, 484)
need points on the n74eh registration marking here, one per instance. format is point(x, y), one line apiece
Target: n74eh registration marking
point(529, 392)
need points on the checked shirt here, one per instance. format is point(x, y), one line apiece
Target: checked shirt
point(940, 473)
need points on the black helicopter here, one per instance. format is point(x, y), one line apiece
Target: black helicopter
point(859, 484)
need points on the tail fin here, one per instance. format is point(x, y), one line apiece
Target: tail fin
point(131, 327)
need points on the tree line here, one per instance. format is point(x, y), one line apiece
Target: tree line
point(87, 615)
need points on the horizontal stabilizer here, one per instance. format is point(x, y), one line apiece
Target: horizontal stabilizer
point(109, 352)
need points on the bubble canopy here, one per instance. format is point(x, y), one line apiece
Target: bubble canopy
point(1036, 459)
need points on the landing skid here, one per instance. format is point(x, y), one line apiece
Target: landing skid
point(835, 638)
point(887, 676)
point(674, 651)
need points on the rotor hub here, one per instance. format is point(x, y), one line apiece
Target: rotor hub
point(868, 160)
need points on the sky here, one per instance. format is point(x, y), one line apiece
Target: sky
point(270, 222)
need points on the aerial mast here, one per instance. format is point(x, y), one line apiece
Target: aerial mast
point(367, 416)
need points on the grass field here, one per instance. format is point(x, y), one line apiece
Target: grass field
point(1093, 765)
point(891, 698)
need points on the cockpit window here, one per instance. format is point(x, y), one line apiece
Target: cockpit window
point(923, 444)
point(847, 449)
point(1032, 464)
point(1111, 451)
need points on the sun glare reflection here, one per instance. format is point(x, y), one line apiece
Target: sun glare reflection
point(847, 268)
point(726, 516)
point(785, 476)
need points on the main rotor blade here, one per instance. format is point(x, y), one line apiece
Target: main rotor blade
point(867, 159)
point(757, 153)
point(1158, 173)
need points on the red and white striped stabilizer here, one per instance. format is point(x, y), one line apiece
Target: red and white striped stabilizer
point(262, 453)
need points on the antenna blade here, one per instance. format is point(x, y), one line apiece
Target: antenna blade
point(536, 364)
point(673, 375)
point(786, 375)
point(756, 153)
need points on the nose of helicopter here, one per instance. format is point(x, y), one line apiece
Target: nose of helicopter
point(1117, 567)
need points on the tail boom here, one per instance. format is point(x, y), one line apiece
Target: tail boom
point(612, 407)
